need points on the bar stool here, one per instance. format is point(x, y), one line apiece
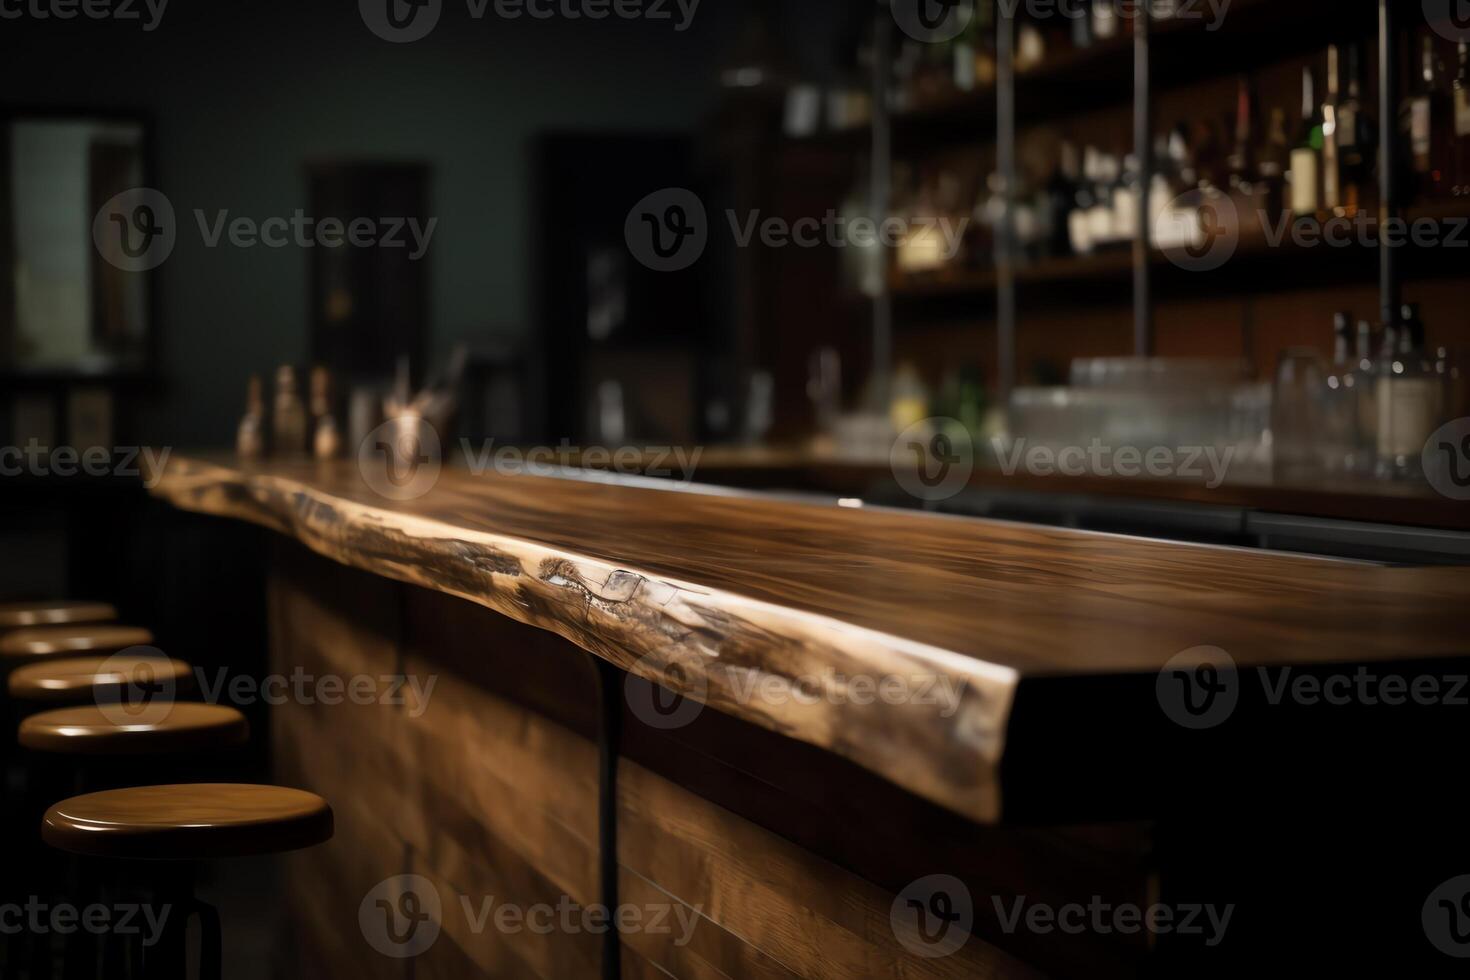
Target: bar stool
point(111, 745)
point(180, 825)
point(53, 612)
point(111, 679)
point(33, 642)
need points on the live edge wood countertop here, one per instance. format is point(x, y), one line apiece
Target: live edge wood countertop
point(730, 596)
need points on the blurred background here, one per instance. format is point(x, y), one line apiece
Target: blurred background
point(830, 242)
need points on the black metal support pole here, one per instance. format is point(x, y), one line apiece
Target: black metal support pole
point(1005, 161)
point(1390, 288)
point(1143, 302)
point(609, 746)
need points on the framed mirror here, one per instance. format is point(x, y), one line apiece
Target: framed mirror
point(64, 307)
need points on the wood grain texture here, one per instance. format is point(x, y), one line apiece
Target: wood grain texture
point(716, 594)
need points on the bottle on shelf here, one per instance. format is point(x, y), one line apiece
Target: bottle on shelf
point(1079, 222)
point(1100, 228)
point(1061, 201)
point(1356, 140)
point(1105, 25)
point(1242, 159)
point(1331, 171)
point(1306, 156)
point(250, 437)
point(1272, 163)
point(1410, 397)
point(1427, 125)
point(289, 421)
point(1462, 122)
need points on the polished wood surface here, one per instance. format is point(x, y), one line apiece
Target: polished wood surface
point(707, 592)
point(134, 730)
point(193, 821)
point(50, 641)
point(14, 615)
point(76, 680)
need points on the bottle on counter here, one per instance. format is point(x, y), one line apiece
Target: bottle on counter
point(289, 422)
point(1339, 408)
point(250, 437)
point(326, 436)
point(1410, 397)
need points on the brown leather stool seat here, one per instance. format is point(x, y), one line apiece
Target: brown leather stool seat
point(188, 822)
point(50, 641)
point(15, 615)
point(85, 680)
point(134, 730)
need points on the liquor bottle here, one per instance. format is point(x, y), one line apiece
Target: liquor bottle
point(1079, 222)
point(1104, 20)
point(1339, 408)
point(250, 437)
point(289, 423)
point(1242, 156)
point(1061, 197)
point(1125, 201)
point(1409, 400)
point(1100, 227)
point(1462, 122)
point(1428, 125)
point(1331, 173)
point(1271, 164)
point(1357, 141)
point(1306, 155)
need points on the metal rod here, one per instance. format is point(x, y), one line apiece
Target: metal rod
point(1390, 286)
point(1005, 161)
point(880, 172)
point(1143, 302)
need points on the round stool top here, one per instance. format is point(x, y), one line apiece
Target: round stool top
point(14, 615)
point(47, 641)
point(122, 729)
point(79, 680)
point(192, 821)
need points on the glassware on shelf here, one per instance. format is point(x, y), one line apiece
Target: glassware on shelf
point(1297, 414)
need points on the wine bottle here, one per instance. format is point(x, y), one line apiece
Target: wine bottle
point(1306, 155)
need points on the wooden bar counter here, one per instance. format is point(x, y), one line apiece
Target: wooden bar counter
point(870, 697)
